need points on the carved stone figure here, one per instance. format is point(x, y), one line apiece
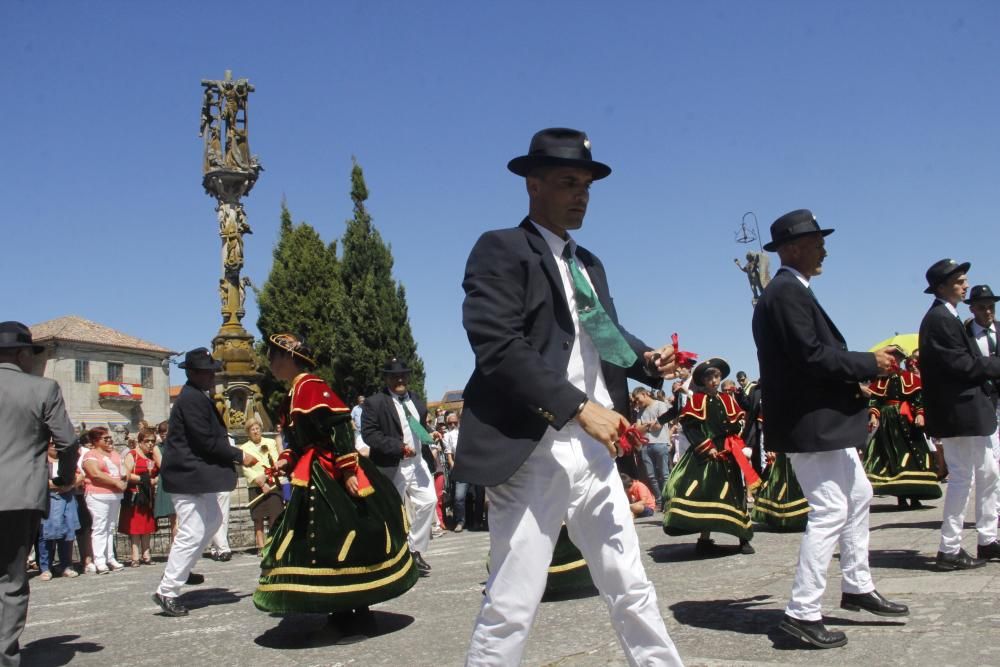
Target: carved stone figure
point(758, 272)
point(231, 230)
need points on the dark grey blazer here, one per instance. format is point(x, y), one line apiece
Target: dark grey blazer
point(955, 377)
point(31, 411)
point(197, 456)
point(518, 322)
point(382, 432)
point(809, 379)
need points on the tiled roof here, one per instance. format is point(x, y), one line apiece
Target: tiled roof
point(79, 330)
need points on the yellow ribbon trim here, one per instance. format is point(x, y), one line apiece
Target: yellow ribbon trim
point(556, 569)
point(348, 541)
point(780, 515)
point(691, 487)
point(388, 539)
point(771, 503)
point(699, 503)
point(333, 590)
point(723, 517)
point(335, 571)
point(725, 490)
point(284, 545)
point(784, 488)
point(906, 457)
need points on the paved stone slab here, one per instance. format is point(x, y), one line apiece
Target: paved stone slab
point(719, 611)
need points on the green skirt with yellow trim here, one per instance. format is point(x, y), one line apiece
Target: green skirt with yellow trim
point(898, 461)
point(705, 495)
point(568, 571)
point(779, 503)
point(330, 552)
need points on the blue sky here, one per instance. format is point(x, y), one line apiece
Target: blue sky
point(882, 118)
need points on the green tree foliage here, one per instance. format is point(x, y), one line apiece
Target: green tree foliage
point(376, 319)
point(302, 295)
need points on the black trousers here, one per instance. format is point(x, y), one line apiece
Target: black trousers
point(18, 529)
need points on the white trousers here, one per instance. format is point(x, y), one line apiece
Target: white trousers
point(104, 510)
point(220, 541)
point(198, 518)
point(572, 479)
point(414, 482)
point(968, 457)
point(839, 496)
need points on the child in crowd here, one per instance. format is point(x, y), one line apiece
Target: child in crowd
point(640, 498)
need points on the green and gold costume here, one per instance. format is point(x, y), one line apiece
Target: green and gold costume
point(705, 494)
point(331, 551)
point(897, 460)
point(779, 503)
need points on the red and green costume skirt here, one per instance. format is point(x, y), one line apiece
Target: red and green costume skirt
point(780, 504)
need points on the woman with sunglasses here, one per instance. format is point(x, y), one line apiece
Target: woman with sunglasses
point(103, 490)
point(137, 520)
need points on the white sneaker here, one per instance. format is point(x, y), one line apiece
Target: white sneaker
point(115, 565)
point(90, 569)
point(100, 569)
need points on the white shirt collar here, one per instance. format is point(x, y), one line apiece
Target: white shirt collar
point(795, 272)
point(556, 244)
point(951, 309)
point(980, 330)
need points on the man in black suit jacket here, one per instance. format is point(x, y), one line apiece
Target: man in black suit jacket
point(958, 410)
point(402, 452)
point(544, 407)
point(816, 413)
point(198, 463)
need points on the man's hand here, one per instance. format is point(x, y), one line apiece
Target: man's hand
point(872, 423)
point(885, 360)
point(660, 362)
point(437, 436)
point(918, 421)
point(249, 460)
point(602, 425)
point(408, 451)
point(121, 484)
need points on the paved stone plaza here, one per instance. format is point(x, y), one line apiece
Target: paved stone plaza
point(720, 611)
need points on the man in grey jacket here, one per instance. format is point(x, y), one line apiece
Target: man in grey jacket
point(31, 412)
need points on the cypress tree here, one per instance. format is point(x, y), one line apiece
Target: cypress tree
point(376, 319)
point(302, 295)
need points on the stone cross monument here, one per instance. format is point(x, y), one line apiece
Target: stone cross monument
point(230, 172)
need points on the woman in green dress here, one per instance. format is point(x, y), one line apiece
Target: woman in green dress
point(780, 503)
point(706, 491)
point(340, 544)
point(898, 461)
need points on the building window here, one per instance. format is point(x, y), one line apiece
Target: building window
point(82, 370)
point(146, 374)
point(115, 371)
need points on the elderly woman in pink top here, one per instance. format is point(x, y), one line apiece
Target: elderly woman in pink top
point(103, 492)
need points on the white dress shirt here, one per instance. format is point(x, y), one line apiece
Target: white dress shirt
point(979, 334)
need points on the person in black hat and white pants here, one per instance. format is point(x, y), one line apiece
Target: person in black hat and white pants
point(544, 409)
point(983, 328)
point(959, 411)
point(31, 412)
point(392, 425)
point(817, 414)
point(198, 463)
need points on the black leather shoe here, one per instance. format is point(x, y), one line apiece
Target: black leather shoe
point(813, 632)
point(170, 606)
point(224, 556)
point(745, 548)
point(989, 551)
point(194, 579)
point(872, 602)
point(958, 561)
point(422, 565)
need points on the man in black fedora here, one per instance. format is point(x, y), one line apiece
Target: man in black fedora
point(392, 425)
point(32, 413)
point(983, 328)
point(544, 408)
point(817, 414)
point(958, 410)
point(198, 463)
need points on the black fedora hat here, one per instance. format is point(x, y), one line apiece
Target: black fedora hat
point(14, 335)
point(791, 226)
point(394, 366)
point(698, 374)
point(981, 293)
point(941, 270)
point(199, 359)
point(558, 147)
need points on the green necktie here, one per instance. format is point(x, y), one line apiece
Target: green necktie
point(608, 340)
point(416, 428)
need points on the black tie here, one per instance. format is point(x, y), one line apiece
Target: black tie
point(991, 343)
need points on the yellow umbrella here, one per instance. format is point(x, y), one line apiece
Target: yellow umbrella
point(909, 342)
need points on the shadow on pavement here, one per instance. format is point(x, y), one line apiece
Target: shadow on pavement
point(578, 594)
point(744, 616)
point(916, 524)
point(893, 509)
point(56, 651)
point(679, 553)
point(303, 631)
point(208, 597)
point(902, 559)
